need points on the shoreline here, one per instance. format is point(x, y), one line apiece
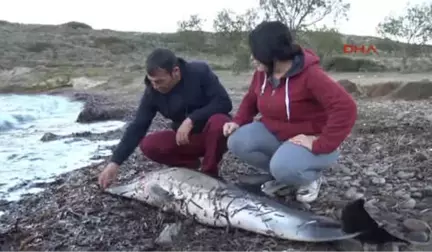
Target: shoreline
point(72, 95)
point(376, 163)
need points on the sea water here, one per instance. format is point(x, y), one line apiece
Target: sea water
point(25, 159)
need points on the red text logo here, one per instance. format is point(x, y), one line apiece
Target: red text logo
point(364, 49)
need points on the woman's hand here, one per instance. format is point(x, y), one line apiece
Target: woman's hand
point(229, 128)
point(304, 140)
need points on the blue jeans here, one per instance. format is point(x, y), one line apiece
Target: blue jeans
point(288, 163)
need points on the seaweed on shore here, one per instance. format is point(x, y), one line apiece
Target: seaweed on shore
point(387, 159)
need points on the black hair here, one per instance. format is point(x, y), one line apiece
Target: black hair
point(161, 58)
point(271, 41)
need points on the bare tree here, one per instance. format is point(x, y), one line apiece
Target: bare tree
point(194, 23)
point(233, 26)
point(412, 27)
point(299, 15)
point(232, 29)
point(325, 41)
point(302, 14)
point(191, 34)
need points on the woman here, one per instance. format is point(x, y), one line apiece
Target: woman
point(305, 115)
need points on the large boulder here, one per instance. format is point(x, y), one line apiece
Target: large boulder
point(99, 108)
point(94, 113)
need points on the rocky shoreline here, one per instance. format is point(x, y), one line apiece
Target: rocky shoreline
point(386, 159)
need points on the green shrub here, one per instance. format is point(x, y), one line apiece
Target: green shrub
point(115, 45)
point(345, 64)
point(38, 47)
point(4, 22)
point(77, 25)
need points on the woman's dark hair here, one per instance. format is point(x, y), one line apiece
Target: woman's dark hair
point(271, 41)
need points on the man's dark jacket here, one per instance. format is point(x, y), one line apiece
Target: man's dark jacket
point(198, 95)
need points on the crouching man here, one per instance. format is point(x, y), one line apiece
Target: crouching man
point(189, 94)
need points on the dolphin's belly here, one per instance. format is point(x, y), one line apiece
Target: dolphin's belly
point(202, 208)
point(255, 217)
point(242, 213)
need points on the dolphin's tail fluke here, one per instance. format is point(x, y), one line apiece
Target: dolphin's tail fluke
point(322, 229)
point(355, 218)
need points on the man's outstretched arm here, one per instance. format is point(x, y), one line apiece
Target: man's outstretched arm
point(136, 130)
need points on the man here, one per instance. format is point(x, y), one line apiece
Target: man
point(189, 94)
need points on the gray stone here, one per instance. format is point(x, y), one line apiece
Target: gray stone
point(348, 245)
point(352, 193)
point(405, 175)
point(388, 187)
point(417, 195)
point(389, 246)
point(371, 173)
point(409, 203)
point(414, 189)
point(418, 236)
point(415, 225)
point(420, 157)
point(427, 191)
point(402, 194)
point(345, 169)
point(371, 203)
point(47, 137)
point(378, 181)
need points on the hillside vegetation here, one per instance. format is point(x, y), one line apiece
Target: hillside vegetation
point(77, 44)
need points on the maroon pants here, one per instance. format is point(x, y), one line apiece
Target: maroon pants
point(161, 147)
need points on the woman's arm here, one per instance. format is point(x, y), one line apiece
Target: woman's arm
point(340, 107)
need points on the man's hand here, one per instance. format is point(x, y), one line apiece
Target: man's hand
point(108, 175)
point(303, 140)
point(182, 135)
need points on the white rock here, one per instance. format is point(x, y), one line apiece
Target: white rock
point(86, 83)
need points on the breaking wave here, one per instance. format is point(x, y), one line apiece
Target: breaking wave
point(24, 159)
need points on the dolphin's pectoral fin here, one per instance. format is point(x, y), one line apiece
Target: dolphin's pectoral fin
point(161, 193)
point(355, 219)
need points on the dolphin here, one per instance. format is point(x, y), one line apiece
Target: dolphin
point(215, 203)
